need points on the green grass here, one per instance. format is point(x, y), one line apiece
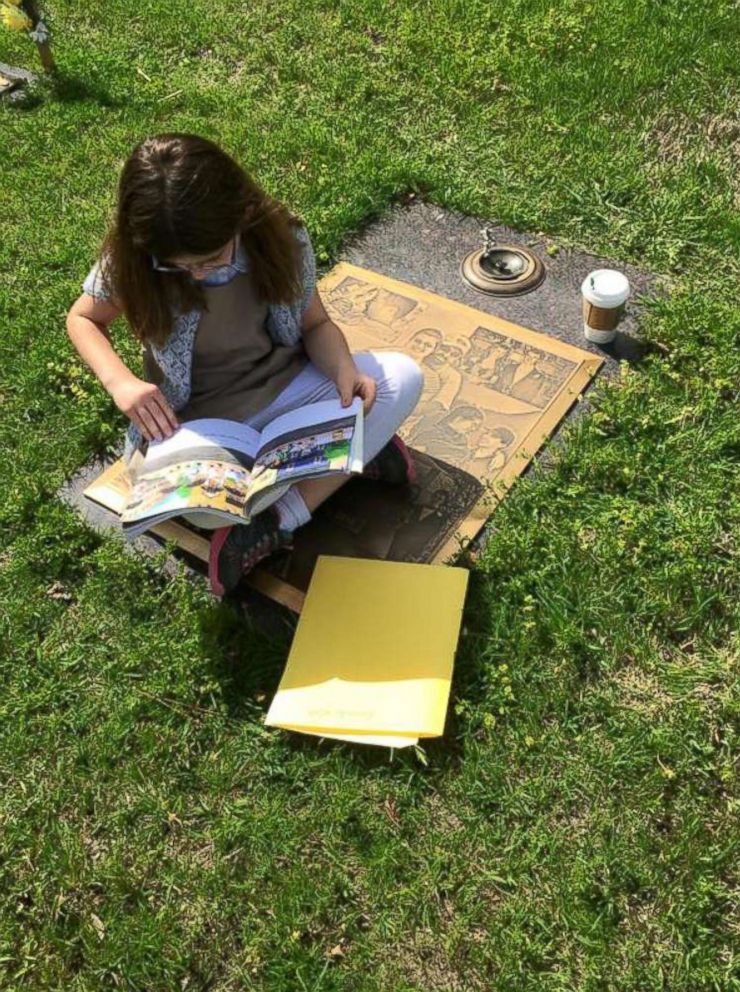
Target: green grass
point(576, 828)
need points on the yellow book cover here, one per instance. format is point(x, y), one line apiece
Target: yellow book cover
point(373, 651)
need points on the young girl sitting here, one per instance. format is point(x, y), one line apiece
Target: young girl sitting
point(217, 281)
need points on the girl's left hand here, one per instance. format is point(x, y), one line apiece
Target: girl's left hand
point(355, 383)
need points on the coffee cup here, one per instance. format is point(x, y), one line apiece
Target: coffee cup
point(605, 291)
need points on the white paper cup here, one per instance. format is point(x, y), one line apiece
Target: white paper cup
point(605, 291)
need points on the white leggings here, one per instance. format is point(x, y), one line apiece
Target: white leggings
point(399, 384)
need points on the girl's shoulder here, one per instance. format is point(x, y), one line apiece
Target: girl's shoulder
point(97, 282)
point(309, 263)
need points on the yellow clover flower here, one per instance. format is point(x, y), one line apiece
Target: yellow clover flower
point(15, 18)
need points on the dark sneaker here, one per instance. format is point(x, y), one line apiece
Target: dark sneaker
point(236, 550)
point(392, 464)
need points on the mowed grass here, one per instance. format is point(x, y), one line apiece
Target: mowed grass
point(577, 826)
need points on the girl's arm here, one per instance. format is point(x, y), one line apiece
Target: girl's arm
point(141, 401)
point(327, 348)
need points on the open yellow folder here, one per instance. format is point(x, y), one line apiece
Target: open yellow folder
point(373, 652)
point(384, 740)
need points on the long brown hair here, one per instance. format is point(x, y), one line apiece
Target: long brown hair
point(182, 194)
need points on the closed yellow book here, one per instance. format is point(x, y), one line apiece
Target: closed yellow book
point(373, 651)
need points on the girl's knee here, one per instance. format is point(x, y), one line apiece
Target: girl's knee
point(403, 376)
point(413, 377)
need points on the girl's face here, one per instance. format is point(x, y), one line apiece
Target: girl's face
point(199, 266)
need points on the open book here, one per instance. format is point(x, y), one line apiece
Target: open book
point(228, 470)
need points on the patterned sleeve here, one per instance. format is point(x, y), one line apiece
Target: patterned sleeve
point(309, 268)
point(96, 284)
point(285, 320)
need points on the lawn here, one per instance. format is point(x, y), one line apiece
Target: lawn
point(577, 826)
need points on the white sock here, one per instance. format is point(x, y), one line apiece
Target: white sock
point(291, 509)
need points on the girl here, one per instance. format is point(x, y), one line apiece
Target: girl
point(217, 281)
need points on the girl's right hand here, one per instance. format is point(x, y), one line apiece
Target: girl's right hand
point(146, 407)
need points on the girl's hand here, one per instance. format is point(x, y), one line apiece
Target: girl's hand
point(145, 406)
point(351, 382)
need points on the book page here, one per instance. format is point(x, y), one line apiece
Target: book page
point(315, 440)
point(205, 465)
point(205, 435)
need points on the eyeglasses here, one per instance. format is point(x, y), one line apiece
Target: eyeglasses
point(204, 267)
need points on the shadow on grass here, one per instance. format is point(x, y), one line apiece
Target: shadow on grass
point(71, 89)
point(62, 88)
